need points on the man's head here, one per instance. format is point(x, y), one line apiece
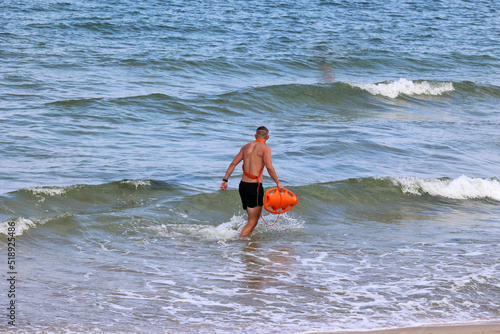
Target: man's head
point(262, 133)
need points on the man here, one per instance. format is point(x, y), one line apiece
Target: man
point(255, 155)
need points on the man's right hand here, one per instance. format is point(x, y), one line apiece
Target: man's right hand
point(280, 188)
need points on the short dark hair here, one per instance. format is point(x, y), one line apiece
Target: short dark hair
point(262, 131)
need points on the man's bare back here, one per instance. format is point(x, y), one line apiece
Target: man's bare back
point(253, 160)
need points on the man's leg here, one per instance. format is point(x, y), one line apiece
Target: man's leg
point(253, 219)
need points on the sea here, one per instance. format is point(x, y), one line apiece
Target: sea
point(119, 118)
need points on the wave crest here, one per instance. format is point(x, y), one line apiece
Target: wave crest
point(20, 225)
point(393, 89)
point(460, 188)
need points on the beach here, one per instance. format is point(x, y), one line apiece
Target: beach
point(445, 329)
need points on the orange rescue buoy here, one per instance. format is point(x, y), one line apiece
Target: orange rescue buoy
point(277, 202)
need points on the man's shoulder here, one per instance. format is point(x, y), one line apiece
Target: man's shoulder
point(246, 145)
point(258, 145)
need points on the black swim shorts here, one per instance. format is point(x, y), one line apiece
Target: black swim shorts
point(248, 194)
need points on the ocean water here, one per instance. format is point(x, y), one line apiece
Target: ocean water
point(119, 118)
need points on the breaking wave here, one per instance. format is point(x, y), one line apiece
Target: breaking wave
point(460, 188)
point(176, 208)
point(393, 89)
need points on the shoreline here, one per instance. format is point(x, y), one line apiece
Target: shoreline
point(479, 328)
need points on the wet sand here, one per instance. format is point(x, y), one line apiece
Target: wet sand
point(491, 328)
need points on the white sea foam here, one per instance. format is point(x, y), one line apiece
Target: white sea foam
point(19, 224)
point(285, 222)
point(460, 188)
point(49, 191)
point(394, 89)
point(228, 230)
point(223, 232)
point(231, 230)
point(137, 183)
point(58, 191)
point(22, 224)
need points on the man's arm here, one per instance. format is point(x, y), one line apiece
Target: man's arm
point(237, 159)
point(270, 169)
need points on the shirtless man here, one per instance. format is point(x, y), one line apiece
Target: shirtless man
point(255, 155)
